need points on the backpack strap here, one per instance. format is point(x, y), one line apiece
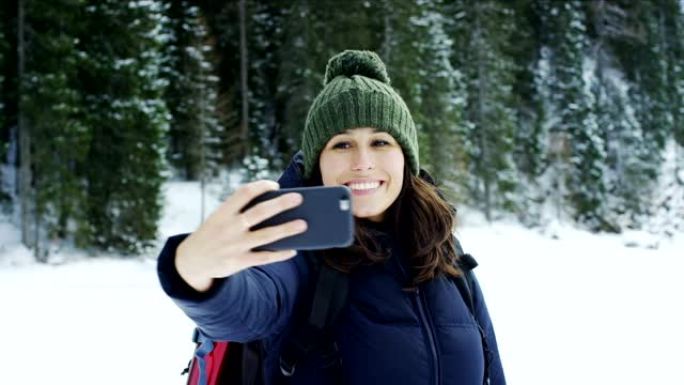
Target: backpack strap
point(466, 264)
point(329, 297)
point(465, 285)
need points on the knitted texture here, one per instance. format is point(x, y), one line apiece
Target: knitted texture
point(357, 93)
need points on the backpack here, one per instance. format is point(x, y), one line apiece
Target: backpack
point(234, 363)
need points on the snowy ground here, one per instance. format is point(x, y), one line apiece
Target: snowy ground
point(579, 309)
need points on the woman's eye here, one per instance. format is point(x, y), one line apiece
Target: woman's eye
point(341, 145)
point(380, 143)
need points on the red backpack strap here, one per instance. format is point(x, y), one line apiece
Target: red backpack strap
point(209, 360)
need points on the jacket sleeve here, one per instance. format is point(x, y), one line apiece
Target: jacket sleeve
point(252, 304)
point(496, 373)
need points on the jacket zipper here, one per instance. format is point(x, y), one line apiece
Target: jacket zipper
point(425, 317)
point(427, 324)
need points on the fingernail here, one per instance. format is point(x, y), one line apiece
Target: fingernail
point(297, 198)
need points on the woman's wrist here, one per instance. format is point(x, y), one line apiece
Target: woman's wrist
point(184, 268)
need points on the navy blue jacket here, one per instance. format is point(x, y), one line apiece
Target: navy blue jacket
point(384, 334)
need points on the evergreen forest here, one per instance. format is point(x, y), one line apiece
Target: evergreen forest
point(539, 110)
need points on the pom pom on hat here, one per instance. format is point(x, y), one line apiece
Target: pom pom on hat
point(352, 62)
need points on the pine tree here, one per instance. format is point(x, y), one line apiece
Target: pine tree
point(524, 47)
point(572, 108)
point(311, 37)
point(405, 28)
point(4, 142)
point(647, 45)
point(192, 93)
point(285, 84)
point(644, 58)
point(4, 137)
point(418, 54)
point(3, 48)
point(674, 12)
point(122, 87)
point(628, 186)
point(529, 151)
point(265, 37)
point(51, 105)
point(628, 182)
point(652, 76)
point(222, 20)
point(668, 202)
point(300, 76)
point(482, 33)
point(264, 31)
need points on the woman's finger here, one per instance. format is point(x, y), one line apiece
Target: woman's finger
point(273, 233)
point(244, 194)
point(269, 208)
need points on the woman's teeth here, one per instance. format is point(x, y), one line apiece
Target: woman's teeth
point(364, 186)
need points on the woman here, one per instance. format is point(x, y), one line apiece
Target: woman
point(404, 321)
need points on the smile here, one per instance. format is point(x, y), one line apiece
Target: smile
point(364, 188)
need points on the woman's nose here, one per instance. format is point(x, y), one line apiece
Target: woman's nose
point(363, 160)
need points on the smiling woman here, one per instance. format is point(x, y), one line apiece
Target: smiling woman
point(401, 313)
point(370, 163)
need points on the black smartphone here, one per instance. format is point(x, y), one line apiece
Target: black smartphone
point(327, 211)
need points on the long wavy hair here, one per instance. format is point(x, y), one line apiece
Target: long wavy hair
point(422, 221)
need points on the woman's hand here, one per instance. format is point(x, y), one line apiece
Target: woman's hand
point(222, 245)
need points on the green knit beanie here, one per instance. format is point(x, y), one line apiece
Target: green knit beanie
point(357, 93)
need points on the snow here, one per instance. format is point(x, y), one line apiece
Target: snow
point(569, 307)
point(582, 309)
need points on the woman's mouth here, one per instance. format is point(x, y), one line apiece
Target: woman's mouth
point(365, 188)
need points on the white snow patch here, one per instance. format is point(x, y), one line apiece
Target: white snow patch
point(579, 309)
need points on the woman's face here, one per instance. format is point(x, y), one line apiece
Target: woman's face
point(370, 163)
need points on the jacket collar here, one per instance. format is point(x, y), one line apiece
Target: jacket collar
point(293, 174)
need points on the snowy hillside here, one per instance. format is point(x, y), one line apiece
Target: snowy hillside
point(569, 307)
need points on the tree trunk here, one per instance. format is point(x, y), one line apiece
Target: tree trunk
point(481, 90)
point(244, 133)
point(202, 128)
point(25, 192)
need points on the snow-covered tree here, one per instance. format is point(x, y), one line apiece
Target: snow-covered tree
point(529, 151)
point(3, 49)
point(645, 61)
point(192, 93)
point(675, 51)
point(265, 38)
point(579, 146)
point(482, 33)
point(652, 76)
point(524, 46)
point(122, 88)
point(51, 106)
point(667, 214)
point(311, 35)
point(418, 52)
point(626, 173)
point(668, 202)
point(223, 21)
point(4, 132)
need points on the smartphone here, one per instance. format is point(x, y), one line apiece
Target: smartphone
point(327, 211)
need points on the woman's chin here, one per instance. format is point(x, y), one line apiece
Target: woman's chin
point(368, 215)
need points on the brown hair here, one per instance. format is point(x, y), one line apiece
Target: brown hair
point(422, 221)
